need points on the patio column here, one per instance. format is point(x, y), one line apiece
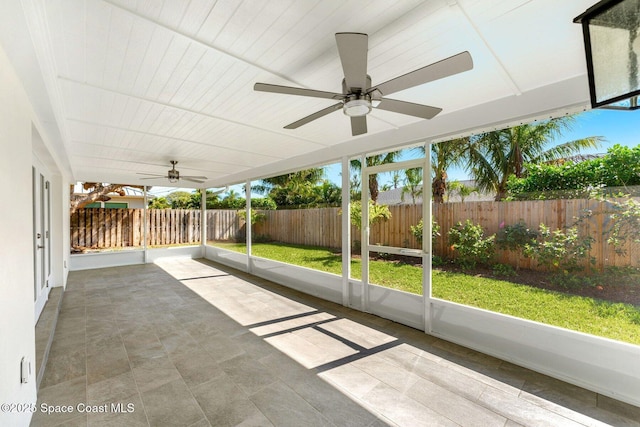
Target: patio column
point(426, 238)
point(145, 225)
point(346, 230)
point(247, 191)
point(203, 220)
point(364, 235)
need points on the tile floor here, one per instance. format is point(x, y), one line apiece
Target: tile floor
point(191, 343)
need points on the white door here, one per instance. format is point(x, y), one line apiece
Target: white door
point(407, 307)
point(41, 236)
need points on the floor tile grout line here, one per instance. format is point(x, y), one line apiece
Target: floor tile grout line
point(204, 415)
point(146, 415)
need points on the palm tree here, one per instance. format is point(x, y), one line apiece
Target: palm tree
point(294, 179)
point(497, 155)
point(379, 159)
point(395, 179)
point(443, 156)
point(412, 184)
point(462, 190)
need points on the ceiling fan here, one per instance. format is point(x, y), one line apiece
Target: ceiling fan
point(358, 96)
point(173, 175)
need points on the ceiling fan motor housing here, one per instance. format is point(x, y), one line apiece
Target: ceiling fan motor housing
point(357, 105)
point(357, 102)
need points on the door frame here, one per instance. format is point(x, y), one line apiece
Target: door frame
point(41, 216)
point(422, 310)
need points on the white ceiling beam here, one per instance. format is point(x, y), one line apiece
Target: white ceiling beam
point(188, 110)
point(454, 4)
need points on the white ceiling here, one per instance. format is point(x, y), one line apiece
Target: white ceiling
point(133, 84)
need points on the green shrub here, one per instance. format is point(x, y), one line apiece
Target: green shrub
point(514, 238)
point(470, 244)
point(620, 167)
point(416, 230)
point(262, 238)
point(625, 224)
point(503, 270)
point(376, 213)
point(256, 216)
point(561, 252)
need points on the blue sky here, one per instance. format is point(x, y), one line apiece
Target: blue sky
point(618, 127)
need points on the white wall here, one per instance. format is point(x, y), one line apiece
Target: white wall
point(17, 330)
point(59, 236)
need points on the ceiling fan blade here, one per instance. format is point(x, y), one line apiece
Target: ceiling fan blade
point(288, 90)
point(438, 70)
point(358, 125)
point(150, 174)
point(192, 180)
point(314, 116)
point(192, 177)
point(154, 177)
point(353, 49)
point(409, 108)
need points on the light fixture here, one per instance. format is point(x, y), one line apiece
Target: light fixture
point(611, 30)
point(173, 176)
point(358, 106)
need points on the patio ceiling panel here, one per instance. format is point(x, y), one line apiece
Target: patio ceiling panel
point(531, 70)
point(174, 79)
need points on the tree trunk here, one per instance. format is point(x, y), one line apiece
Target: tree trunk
point(501, 193)
point(373, 188)
point(439, 188)
point(98, 193)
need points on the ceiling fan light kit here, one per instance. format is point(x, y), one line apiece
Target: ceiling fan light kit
point(359, 97)
point(357, 107)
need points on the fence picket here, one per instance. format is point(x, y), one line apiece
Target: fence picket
point(93, 228)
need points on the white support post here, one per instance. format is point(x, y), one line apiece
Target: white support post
point(426, 238)
point(247, 191)
point(145, 225)
point(203, 220)
point(346, 230)
point(364, 235)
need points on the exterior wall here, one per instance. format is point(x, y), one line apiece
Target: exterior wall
point(133, 202)
point(17, 328)
point(59, 226)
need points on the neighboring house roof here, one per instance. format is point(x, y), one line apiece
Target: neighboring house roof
point(129, 192)
point(395, 196)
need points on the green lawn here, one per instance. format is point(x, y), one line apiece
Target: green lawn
point(606, 319)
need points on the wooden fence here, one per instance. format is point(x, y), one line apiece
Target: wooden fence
point(555, 214)
point(105, 228)
point(322, 227)
point(224, 225)
point(119, 228)
point(100, 228)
